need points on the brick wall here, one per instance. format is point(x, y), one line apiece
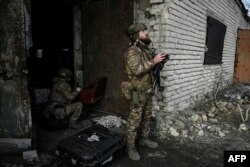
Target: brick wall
point(178, 27)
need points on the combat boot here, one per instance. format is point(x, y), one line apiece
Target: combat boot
point(148, 142)
point(133, 154)
point(73, 125)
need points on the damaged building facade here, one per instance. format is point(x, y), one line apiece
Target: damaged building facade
point(200, 37)
point(89, 39)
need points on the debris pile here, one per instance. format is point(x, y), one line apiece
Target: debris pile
point(30, 158)
point(93, 137)
point(228, 113)
point(109, 121)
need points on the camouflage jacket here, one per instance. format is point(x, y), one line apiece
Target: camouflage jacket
point(139, 64)
point(61, 92)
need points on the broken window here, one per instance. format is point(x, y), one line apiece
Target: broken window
point(214, 41)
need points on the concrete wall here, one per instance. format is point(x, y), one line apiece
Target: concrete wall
point(15, 113)
point(178, 27)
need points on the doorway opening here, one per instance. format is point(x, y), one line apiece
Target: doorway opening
point(52, 35)
point(102, 25)
point(104, 44)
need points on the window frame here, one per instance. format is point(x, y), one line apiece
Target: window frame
point(214, 44)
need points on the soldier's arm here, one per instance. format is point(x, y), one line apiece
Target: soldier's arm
point(137, 65)
point(67, 92)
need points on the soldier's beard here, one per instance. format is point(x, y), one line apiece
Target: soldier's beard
point(146, 41)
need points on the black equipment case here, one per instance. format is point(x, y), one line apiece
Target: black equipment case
point(77, 150)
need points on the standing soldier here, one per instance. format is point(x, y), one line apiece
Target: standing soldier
point(139, 66)
point(61, 96)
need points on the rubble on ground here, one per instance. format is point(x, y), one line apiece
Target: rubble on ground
point(109, 121)
point(227, 114)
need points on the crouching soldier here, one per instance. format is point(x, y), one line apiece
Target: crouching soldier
point(61, 97)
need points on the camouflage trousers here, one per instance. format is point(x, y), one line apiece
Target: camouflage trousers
point(138, 120)
point(73, 110)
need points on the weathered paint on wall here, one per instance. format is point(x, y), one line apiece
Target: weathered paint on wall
point(242, 63)
point(77, 42)
point(105, 42)
point(14, 110)
point(15, 114)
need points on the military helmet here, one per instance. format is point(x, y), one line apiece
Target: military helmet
point(134, 29)
point(65, 73)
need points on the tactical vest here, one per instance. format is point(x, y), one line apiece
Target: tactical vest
point(56, 95)
point(144, 82)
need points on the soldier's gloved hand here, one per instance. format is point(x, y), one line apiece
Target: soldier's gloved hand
point(78, 89)
point(159, 58)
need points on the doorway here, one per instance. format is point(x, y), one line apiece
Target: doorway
point(52, 36)
point(103, 24)
point(104, 44)
point(242, 60)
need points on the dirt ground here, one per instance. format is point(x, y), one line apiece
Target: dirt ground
point(205, 151)
point(172, 152)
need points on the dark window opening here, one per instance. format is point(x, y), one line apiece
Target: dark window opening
point(214, 41)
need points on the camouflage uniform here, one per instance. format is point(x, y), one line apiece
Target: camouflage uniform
point(138, 64)
point(62, 94)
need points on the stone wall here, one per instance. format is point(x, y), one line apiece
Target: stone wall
point(178, 27)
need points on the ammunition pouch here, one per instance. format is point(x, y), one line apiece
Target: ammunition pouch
point(126, 89)
point(141, 85)
point(135, 98)
point(143, 88)
point(130, 93)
